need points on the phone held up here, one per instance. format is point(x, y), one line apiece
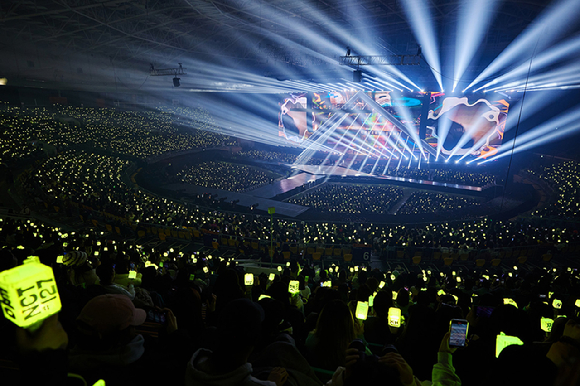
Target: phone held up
point(458, 334)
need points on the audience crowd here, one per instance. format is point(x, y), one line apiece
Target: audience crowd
point(564, 179)
point(268, 156)
point(225, 175)
point(27, 132)
point(137, 310)
point(129, 309)
point(431, 202)
point(96, 183)
point(350, 199)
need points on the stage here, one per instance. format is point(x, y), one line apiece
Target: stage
point(321, 171)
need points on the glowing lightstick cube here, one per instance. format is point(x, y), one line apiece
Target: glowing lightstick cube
point(279, 269)
point(205, 269)
point(381, 284)
point(28, 293)
point(510, 301)
point(503, 340)
point(546, 324)
point(272, 277)
point(327, 284)
point(577, 303)
point(132, 274)
point(557, 304)
point(394, 317)
point(394, 293)
point(362, 309)
point(249, 279)
point(294, 287)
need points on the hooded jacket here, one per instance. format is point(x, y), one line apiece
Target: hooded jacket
point(198, 374)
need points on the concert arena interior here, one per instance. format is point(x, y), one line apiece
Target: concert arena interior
point(315, 192)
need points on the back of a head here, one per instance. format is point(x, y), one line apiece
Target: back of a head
point(403, 297)
point(382, 302)
point(523, 365)
point(7, 260)
point(334, 332)
point(105, 272)
point(240, 324)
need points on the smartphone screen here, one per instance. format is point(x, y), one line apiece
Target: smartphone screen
point(483, 312)
point(156, 316)
point(458, 333)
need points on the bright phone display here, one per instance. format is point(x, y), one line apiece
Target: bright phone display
point(458, 333)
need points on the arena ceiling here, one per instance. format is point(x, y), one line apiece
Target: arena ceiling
point(276, 38)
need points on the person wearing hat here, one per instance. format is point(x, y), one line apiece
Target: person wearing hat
point(239, 327)
point(107, 339)
point(80, 271)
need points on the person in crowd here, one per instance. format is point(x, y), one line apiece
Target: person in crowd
point(106, 274)
point(238, 330)
point(326, 345)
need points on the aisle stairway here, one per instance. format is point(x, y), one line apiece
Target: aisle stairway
point(406, 194)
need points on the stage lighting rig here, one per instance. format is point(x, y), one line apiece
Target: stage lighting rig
point(389, 60)
point(167, 71)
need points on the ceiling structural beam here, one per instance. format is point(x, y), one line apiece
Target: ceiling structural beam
point(390, 60)
point(64, 10)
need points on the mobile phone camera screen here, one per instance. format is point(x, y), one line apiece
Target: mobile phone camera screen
point(458, 333)
point(483, 312)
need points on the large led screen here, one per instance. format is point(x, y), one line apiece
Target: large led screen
point(364, 126)
point(461, 125)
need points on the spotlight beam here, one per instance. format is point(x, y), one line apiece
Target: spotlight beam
point(421, 22)
point(559, 16)
point(546, 58)
point(545, 132)
point(474, 20)
point(560, 134)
